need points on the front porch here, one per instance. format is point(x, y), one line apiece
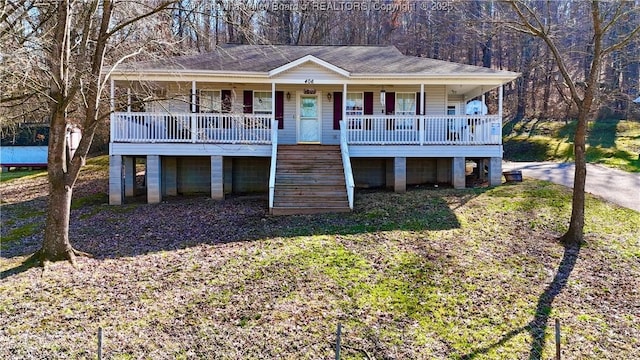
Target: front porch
point(417, 130)
point(163, 138)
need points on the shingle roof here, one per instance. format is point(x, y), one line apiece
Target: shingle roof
point(354, 59)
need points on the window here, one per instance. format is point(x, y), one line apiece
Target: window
point(210, 101)
point(452, 109)
point(355, 104)
point(405, 105)
point(355, 107)
point(262, 102)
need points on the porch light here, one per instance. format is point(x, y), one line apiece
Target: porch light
point(329, 96)
point(383, 96)
point(288, 96)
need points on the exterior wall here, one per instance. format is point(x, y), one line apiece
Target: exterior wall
point(420, 171)
point(250, 174)
point(379, 172)
point(194, 175)
point(436, 102)
point(369, 172)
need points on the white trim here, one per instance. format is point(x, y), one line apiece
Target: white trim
point(422, 99)
point(189, 149)
point(500, 90)
point(128, 99)
point(436, 151)
point(306, 59)
point(344, 102)
point(494, 80)
point(273, 100)
point(318, 96)
point(193, 96)
point(112, 95)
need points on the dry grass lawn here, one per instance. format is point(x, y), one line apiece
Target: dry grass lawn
point(431, 274)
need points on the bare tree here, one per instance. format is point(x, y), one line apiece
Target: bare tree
point(68, 43)
point(583, 86)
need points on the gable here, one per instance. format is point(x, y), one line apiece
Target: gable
point(308, 73)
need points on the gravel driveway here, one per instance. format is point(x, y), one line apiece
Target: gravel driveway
point(617, 186)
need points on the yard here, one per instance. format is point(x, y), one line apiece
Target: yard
point(434, 273)
point(614, 143)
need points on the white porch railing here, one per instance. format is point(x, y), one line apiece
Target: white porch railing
point(194, 128)
point(346, 164)
point(424, 130)
point(274, 158)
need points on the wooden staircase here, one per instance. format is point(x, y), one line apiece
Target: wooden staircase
point(309, 180)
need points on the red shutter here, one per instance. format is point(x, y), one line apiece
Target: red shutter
point(368, 109)
point(368, 103)
point(390, 103)
point(247, 102)
point(280, 109)
point(390, 108)
point(337, 110)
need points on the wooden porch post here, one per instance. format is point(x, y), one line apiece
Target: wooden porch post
point(128, 99)
point(422, 99)
point(112, 107)
point(500, 94)
point(422, 122)
point(272, 121)
point(112, 95)
point(344, 103)
point(194, 122)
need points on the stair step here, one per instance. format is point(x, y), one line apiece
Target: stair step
point(302, 204)
point(309, 180)
point(306, 211)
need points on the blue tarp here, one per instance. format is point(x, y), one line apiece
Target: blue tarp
point(23, 155)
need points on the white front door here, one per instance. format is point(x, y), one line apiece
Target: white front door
point(309, 124)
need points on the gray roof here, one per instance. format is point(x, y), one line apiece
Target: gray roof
point(354, 59)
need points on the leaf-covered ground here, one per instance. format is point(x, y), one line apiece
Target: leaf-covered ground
point(444, 274)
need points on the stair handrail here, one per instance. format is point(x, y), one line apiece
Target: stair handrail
point(274, 155)
point(346, 163)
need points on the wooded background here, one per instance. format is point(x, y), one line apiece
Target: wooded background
point(473, 32)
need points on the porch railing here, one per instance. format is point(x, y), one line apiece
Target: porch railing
point(274, 159)
point(424, 130)
point(346, 164)
point(194, 128)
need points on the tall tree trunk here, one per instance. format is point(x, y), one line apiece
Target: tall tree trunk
point(575, 233)
point(56, 245)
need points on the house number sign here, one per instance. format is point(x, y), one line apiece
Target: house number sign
point(308, 81)
point(309, 91)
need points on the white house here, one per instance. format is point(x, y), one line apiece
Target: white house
point(306, 124)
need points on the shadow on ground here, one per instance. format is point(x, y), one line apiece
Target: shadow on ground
point(180, 222)
point(537, 327)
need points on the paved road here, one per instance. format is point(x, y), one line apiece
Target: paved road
point(617, 186)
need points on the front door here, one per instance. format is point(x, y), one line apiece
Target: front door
point(309, 125)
